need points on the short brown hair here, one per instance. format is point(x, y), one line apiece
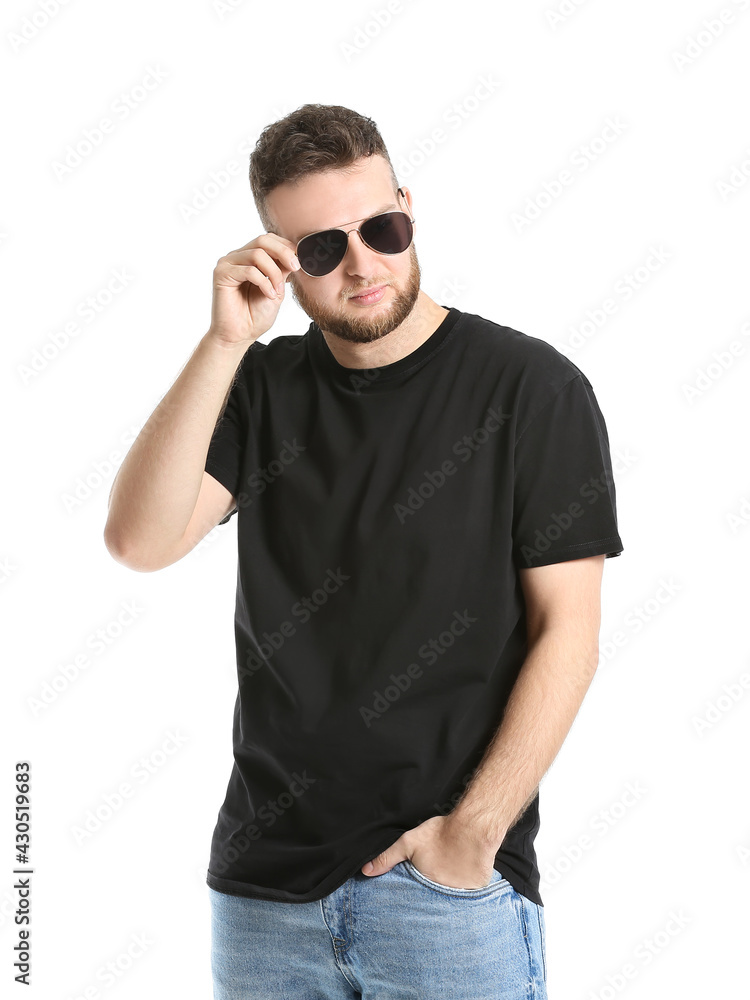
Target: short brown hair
point(312, 139)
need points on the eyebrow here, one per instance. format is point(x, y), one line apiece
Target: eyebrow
point(379, 211)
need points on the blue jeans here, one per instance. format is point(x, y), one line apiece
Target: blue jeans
point(396, 936)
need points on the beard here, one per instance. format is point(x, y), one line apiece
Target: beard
point(363, 329)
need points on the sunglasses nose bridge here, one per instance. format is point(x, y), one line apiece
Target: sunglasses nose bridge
point(356, 230)
point(347, 233)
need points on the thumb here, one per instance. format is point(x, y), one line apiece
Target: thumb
point(384, 861)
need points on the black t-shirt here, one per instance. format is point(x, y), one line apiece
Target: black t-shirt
point(383, 515)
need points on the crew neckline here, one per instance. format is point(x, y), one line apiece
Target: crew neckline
point(354, 378)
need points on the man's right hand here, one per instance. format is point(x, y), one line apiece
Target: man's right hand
point(249, 289)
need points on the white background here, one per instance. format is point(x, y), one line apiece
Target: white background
point(654, 800)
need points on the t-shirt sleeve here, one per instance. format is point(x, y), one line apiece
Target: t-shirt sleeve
point(229, 440)
point(563, 491)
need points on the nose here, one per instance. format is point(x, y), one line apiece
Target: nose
point(356, 251)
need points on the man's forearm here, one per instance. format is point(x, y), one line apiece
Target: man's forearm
point(545, 699)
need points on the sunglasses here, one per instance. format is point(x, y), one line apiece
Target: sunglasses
point(389, 233)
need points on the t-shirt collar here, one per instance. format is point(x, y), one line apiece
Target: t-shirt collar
point(352, 377)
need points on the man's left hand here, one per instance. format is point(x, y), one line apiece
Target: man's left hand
point(444, 850)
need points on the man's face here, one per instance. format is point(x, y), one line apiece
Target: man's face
point(342, 200)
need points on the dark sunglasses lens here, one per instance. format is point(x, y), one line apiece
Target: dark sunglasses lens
point(389, 233)
point(321, 253)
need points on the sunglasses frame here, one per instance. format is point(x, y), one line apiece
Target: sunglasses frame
point(356, 229)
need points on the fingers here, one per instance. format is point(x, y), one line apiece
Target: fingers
point(266, 262)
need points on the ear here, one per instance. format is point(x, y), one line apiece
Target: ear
point(407, 198)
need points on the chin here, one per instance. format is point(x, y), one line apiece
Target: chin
point(363, 324)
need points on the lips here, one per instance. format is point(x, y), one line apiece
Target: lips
point(368, 291)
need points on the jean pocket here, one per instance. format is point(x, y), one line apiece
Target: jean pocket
point(495, 880)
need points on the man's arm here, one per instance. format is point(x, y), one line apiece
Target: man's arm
point(563, 618)
point(156, 488)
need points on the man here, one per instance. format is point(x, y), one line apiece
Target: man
point(425, 503)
